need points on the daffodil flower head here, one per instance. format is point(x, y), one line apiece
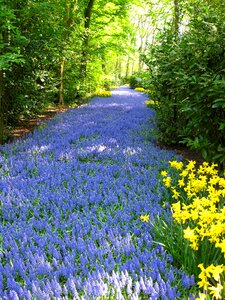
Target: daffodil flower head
point(144, 218)
point(164, 173)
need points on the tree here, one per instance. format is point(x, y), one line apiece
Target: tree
point(87, 21)
point(54, 52)
point(9, 56)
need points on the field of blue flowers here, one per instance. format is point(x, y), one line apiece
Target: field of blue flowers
point(72, 194)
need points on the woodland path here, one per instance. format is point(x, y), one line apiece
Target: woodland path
point(72, 194)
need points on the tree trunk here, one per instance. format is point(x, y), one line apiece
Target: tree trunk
point(133, 67)
point(87, 21)
point(1, 108)
point(61, 96)
point(68, 24)
point(1, 99)
point(176, 21)
point(176, 18)
point(118, 69)
point(128, 67)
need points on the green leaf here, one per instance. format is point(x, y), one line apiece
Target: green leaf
point(9, 58)
point(204, 153)
point(219, 103)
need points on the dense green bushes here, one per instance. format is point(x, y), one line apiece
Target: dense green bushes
point(188, 75)
point(140, 79)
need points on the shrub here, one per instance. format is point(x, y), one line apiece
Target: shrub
point(140, 80)
point(188, 76)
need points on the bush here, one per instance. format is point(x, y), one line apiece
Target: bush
point(188, 78)
point(140, 80)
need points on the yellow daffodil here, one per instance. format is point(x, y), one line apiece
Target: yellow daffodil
point(201, 213)
point(216, 291)
point(176, 194)
point(176, 165)
point(202, 296)
point(145, 218)
point(164, 173)
point(217, 271)
point(167, 181)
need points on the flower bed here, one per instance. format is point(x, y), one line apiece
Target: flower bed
point(197, 196)
point(72, 194)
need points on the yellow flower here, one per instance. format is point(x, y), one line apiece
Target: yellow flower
point(177, 212)
point(176, 194)
point(181, 183)
point(144, 218)
point(167, 181)
point(202, 296)
point(222, 182)
point(216, 271)
point(184, 173)
point(176, 165)
point(214, 180)
point(198, 185)
point(164, 173)
point(204, 275)
point(191, 236)
point(191, 165)
point(221, 245)
point(216, 291)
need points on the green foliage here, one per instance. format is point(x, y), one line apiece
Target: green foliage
point(189, 79)
point(184, 257)
point(10, 58)
point(45, 46)
point(140, 80)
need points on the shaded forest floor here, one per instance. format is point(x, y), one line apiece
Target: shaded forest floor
point(26, 126)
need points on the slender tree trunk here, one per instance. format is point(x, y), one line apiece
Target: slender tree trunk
point(176, 21)
point(127, 67)
point(176, 18)
point(68, 24)
point(87, 21)
point(1, 108)
point(1, 99)
point(118, 69)
point(61, 96)
point(132, 67)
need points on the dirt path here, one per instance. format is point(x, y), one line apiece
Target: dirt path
point(26, 126)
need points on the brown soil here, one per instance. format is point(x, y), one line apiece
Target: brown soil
point(185, 152)
point(25, 126)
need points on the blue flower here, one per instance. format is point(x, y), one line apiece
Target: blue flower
point(71, 197)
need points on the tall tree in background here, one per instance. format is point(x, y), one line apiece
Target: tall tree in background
point(176, 19)
point(10, 39)
point(87, 21)
point(70, 20)
point(1, 94)
point(54, 52)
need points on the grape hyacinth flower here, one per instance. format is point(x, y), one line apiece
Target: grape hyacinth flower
point(72, 194)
